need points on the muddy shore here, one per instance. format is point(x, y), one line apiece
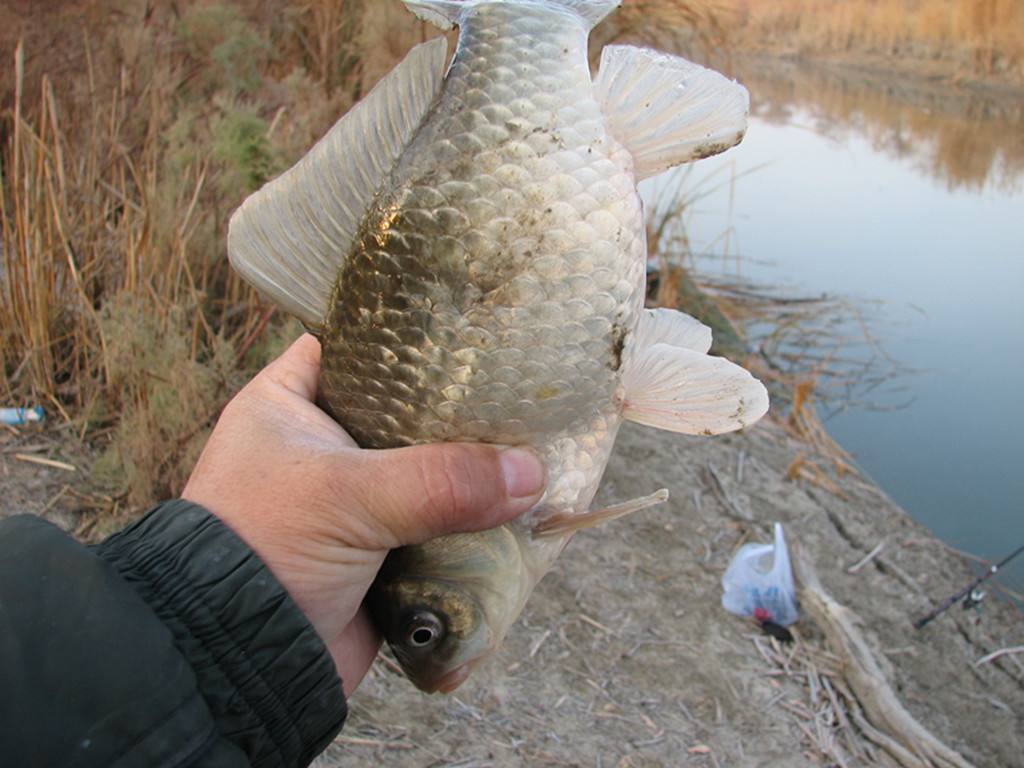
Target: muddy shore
point(624, 656)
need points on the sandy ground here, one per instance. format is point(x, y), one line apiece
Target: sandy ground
point(624, 656)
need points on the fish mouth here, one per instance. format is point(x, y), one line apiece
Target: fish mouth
point(452, 680)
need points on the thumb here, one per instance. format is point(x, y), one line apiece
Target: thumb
point(414, 494)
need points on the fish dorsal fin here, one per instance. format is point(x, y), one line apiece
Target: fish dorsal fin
point(668, 111)
point(670, 382)
point(291, 237)
point(670, 326)
point(448, 13)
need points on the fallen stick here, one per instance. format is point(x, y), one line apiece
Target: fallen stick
point(45, 462)
point(356, 741)
point(896, 731)
point(867, 558)
point(996, 654)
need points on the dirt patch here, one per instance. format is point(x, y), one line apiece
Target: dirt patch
point(624, 656)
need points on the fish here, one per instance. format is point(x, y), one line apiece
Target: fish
point(468, 244)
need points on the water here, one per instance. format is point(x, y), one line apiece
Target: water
point(912, 204)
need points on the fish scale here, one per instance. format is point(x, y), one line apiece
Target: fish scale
point(469, 248)
point(509, 253)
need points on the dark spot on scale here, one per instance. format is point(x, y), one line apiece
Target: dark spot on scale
point(708, 433)
point(618, 344)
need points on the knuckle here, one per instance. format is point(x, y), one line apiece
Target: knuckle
point(451, 484)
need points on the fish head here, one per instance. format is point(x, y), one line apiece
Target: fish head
point(446, 605)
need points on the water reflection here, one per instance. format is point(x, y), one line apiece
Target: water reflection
point(872, 191)
point(966, 139)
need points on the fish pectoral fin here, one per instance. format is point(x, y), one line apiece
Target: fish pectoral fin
point(668, 111)
point(291, 238)
point(558, 525)
point(682, 390)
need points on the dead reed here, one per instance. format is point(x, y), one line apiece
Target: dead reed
point(977, 37)
point(117, 307)
point(130, 131)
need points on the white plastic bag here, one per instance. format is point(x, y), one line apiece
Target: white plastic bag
point(759, 582)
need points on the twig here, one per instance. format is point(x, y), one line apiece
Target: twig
point(997, 654)
point(57, 497)
point(358, 742)
point(867, 558)
point(45, 462)
point(597, 625)
point(539, 642)
point(718, 488)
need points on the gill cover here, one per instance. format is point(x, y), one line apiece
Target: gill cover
point(448, 13)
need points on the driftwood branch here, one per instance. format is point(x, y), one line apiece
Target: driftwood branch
point(888, 723)
point(996, 654)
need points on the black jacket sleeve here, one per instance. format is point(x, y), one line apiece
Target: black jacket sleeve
point(170, 644)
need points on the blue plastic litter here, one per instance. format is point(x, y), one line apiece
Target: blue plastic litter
point(16, 417)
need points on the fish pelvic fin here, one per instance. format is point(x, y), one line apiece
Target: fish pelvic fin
point(668, 111)
point(670, 382)
point(291, 238)
point(670, 326)
point(560, 525)
point(449, 13)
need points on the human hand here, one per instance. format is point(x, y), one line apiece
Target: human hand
point(322, 513)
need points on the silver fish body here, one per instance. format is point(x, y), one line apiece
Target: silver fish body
point(496, 279)
point(491, 291)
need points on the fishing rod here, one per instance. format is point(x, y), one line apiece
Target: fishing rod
point(950, 602)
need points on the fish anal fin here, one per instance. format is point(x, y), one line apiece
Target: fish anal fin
point(291, 238)
point(668, 111)
point(562, 524)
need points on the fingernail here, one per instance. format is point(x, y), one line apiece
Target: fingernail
point(524, 473)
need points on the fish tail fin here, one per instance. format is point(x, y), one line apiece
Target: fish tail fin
point(592, 11)
point(448, 13)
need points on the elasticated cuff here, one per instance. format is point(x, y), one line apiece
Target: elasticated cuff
point(265, 673)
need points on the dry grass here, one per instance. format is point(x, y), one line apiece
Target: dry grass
point(129, 133)
point(977, 37)
point(117, 307)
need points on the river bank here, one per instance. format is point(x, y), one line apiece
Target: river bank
point(624, 656)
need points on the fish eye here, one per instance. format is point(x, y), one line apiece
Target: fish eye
point(424, 630)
